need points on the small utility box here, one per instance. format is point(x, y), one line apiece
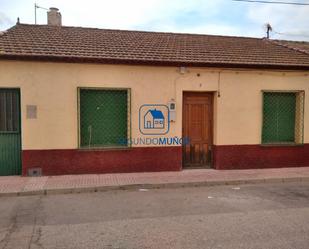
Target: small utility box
point(172, 110)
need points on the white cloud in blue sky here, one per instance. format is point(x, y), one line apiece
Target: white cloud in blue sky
point(223, 17)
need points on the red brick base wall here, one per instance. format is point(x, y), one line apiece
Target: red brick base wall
point(147, 159)
point(257, 156)
point(60, 162)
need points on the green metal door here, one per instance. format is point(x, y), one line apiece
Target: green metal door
point(10, 132)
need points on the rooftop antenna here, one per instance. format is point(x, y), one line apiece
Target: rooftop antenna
point(35, 8)
point(268, 29)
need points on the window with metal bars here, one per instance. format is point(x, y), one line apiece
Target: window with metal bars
point(9, 110)
point(104, 117)
point(283, 114)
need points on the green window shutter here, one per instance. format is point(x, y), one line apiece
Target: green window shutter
point(279, 117)
point(103, 117)
point(10, 132)
point(9, 110)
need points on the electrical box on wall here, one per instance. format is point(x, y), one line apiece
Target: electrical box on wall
point(172, 110)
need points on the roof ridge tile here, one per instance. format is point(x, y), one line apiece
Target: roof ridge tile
point(278, 42)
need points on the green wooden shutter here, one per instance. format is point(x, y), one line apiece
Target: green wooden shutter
point(279, 117)
point(103, 117)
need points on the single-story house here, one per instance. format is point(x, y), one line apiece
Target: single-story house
point(70, 101)
point(154, 119)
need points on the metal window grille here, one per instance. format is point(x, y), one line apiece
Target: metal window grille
point(283, 117)
point(104, 117)
point(9, 110)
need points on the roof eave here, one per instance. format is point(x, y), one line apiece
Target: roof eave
point(68, 59)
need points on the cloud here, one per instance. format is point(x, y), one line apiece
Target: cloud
point(222, 17)
point(198, 16)
point(4, 19)
point(292, 20)
point(138, 13)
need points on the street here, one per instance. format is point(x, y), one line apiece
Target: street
point(246, 216)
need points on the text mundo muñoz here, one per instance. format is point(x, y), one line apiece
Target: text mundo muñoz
point(155, 141)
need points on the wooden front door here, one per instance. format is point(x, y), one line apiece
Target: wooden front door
point(197, 127)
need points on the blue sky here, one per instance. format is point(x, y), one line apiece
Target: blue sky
point(223, 17)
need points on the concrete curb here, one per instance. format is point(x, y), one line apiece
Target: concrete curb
point(169, 185)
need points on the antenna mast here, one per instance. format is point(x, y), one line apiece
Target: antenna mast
point(268, 30)
point(37, 7)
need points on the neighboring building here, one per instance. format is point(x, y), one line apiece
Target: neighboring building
point(70, 101)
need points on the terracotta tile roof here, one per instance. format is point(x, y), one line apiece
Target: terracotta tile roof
point(76, 44)
point(302, 46)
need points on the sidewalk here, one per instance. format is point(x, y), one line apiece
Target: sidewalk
point(18, 186)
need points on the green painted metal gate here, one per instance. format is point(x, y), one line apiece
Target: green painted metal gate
point(10, 132)
point(103, 117)
point(279, 117)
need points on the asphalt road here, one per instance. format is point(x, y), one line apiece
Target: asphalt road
point(249, 216)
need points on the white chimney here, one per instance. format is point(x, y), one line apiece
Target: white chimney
point(54, 17)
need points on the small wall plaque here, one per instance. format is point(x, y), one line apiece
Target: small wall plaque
point(31, 112)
